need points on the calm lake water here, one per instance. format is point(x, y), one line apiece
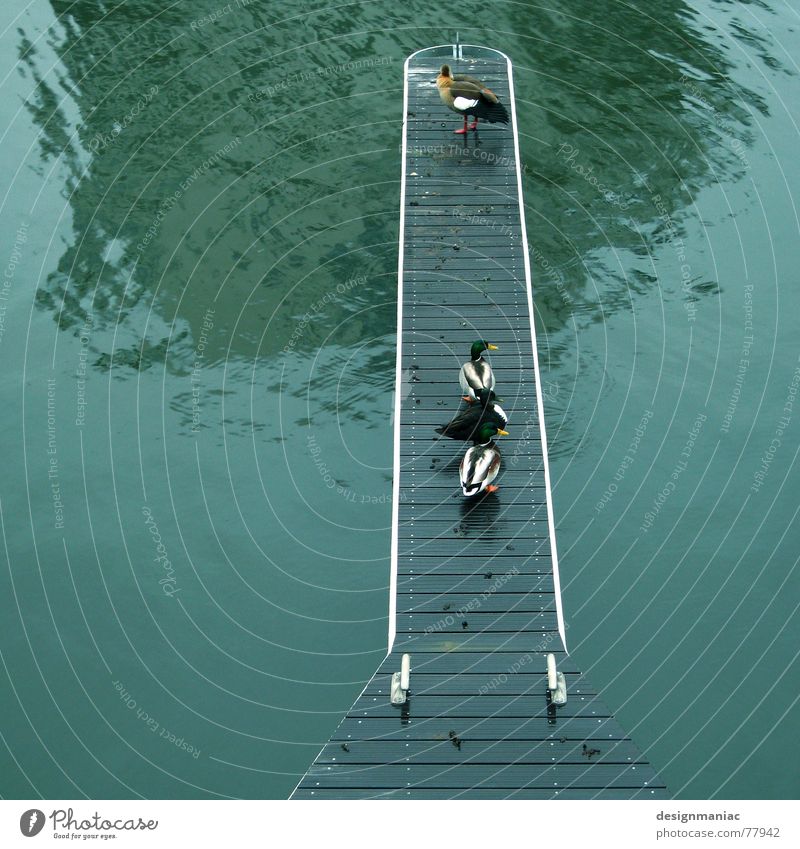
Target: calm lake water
point(199, 219)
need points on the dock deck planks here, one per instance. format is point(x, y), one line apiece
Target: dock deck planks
point(475, 597)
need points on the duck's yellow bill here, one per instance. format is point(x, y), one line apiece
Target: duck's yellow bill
point(502, 433)
point(492, 347)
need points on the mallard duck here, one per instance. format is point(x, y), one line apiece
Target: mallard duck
point(481, 463)
point(467, 422)
point(468, 96)
point(477, 373)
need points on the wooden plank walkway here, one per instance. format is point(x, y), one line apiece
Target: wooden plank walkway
point(475, 597)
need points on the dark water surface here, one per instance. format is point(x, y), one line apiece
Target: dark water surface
point(199, 218)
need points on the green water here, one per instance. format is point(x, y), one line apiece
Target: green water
point(199, 218)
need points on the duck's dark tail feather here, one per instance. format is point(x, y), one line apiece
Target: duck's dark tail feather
point(494, 113)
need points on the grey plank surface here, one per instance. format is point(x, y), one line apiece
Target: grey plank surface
point(476, 598)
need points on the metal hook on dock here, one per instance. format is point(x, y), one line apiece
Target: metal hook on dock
point(556, 682)
point(401, 681)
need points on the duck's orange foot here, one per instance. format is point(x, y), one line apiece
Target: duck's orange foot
point(492, 488)
point(460, 132)
point(467, 399)
point(473, 125)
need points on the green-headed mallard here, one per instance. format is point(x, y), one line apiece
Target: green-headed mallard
point(468, 96)
point(467, 422)
point(481, 463)
point(477, 373)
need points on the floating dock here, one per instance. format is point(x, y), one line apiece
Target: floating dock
point(475, 598)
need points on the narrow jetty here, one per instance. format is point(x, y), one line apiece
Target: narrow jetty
point(463, 705)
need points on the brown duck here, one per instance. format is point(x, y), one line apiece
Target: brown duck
point(468, 96)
